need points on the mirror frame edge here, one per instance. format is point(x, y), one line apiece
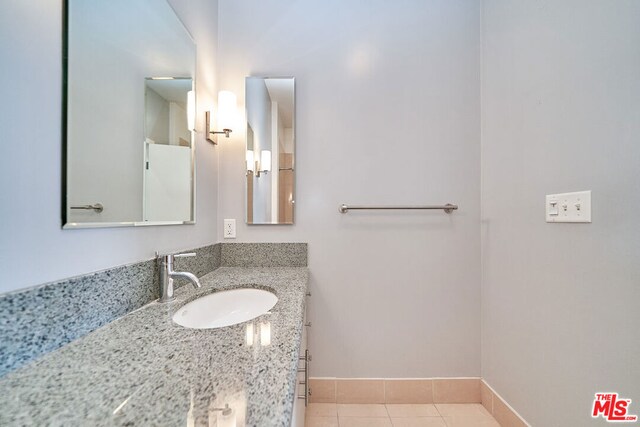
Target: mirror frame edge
point(63, 141)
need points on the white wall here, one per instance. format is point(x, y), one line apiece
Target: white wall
point(33, 245)
point(156, 117)
point(388, 111)
point(178, 124)
point(561, 112)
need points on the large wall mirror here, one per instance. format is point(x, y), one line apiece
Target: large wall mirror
point(128, 119)
point(270, 175)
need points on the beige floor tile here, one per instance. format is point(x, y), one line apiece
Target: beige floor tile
point(364, 422)
point(461, 409)
point(362, 410)
point(418, 422)
point(322, 410)
point(412, 410)
point(321, 422)
point(471, 421)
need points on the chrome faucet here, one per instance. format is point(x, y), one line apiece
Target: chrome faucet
point(167, 275)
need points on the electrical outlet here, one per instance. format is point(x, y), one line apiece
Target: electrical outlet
point(229, 228)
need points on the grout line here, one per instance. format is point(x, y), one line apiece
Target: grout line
point(390, 418)
point(441, 416)
point(433, 393)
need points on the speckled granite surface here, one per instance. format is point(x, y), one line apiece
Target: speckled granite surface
point(143, 369)
point(206, 260)
point(264, 254)
point(41, 319)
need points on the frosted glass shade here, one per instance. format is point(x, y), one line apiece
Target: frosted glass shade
point(249, 335)
point(250, 160)
point(191, 110)
point(227, 108)
point(265, 160)
point(265, 334)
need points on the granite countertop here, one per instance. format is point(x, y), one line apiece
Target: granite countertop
point(143, 369)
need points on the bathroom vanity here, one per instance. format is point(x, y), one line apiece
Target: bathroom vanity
point(144, 369)
point(92, 349)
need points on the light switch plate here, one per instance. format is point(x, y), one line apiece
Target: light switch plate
point(568, 207)
point(229, 229)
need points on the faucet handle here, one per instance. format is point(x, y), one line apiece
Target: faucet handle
point(184, 255)
point(168, 258)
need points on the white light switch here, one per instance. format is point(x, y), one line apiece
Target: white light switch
point(568, 207)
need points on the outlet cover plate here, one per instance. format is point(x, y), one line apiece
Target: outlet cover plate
point(229, 231)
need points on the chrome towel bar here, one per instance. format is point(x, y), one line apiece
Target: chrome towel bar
point(97, 207)
point(448, 208)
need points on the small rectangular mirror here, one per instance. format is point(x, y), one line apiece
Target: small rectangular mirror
point(270, 150)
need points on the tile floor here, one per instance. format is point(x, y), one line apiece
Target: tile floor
point(398, 415)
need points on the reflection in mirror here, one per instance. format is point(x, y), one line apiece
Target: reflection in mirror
point(270, 155)
point(118, 121)
point(167, 175)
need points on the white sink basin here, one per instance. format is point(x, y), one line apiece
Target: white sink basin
point(225, 308)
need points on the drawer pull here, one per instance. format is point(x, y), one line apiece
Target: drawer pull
point(305, 383)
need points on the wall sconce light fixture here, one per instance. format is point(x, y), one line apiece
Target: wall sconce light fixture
point(191, 110)
point(264, 165)
point(265, 334)
point(226, 116)
point(260, 334)
point(249, 334)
